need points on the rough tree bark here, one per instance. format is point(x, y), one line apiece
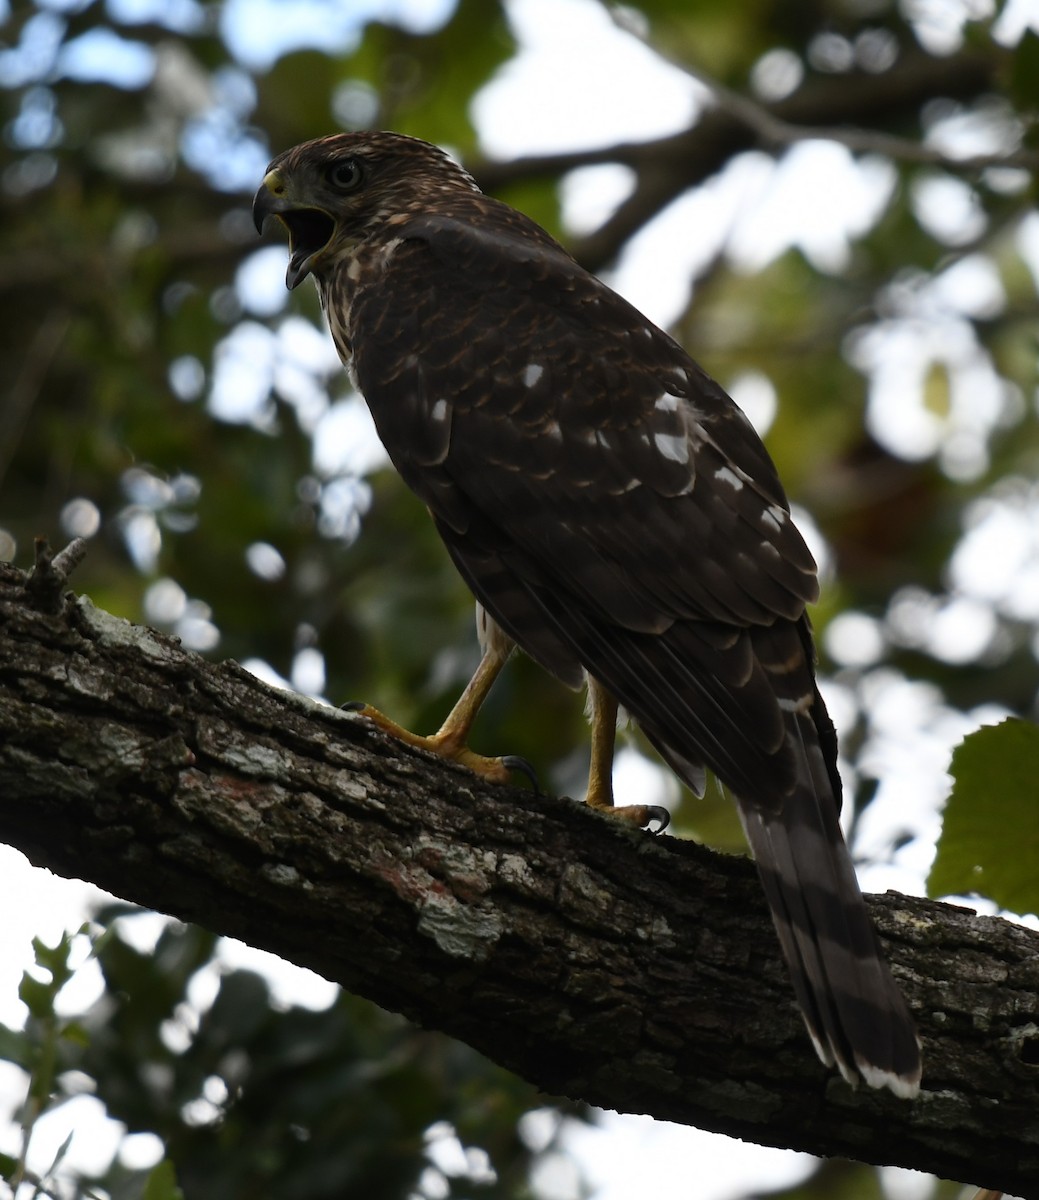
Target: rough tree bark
point(635, 972)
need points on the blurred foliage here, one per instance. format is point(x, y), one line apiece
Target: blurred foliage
point(253, 1099)
point(849, 1181)
point(156, 397)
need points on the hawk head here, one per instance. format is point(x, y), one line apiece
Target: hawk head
point(333, 193)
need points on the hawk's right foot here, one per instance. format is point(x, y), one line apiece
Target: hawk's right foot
point(449, 743)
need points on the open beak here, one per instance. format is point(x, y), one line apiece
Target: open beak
point(310, 229)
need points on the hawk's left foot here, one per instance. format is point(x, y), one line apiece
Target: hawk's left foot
point(600, 773)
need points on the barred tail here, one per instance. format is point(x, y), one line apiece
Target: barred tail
point(854, 1010)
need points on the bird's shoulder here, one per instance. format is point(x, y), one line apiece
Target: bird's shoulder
point(476, 231)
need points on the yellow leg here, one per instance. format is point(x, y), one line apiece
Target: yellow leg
point(603, 716)
point(450, 740)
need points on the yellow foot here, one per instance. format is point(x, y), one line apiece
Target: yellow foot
point(600, 769)
point(448, 744)
point(643, 816)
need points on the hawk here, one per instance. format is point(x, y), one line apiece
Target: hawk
point(615, 515)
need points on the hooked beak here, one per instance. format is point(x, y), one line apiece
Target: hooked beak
point(310, 229)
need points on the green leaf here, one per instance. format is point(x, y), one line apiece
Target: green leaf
point(37, 997)
point(990, 835)
point(162, 1183)
point(15, 1047)
point(55, 959)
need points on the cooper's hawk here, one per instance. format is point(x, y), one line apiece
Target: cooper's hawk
point(615, 515)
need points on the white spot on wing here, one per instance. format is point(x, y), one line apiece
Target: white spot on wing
point(667, 403)
point(532, 372)
point(773, 518)
point(439, 411)
point(729, 476)
point(672, 446)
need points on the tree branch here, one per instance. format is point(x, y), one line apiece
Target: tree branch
point(633, 972)
point(773, 130)
point(851, 108)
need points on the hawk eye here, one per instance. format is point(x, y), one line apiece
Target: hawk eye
point(345, 174)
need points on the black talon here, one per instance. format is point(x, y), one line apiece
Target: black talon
point(657, 813)
point(515, 762)
point(353, 706)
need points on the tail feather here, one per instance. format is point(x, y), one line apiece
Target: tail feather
point(853, 1008)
